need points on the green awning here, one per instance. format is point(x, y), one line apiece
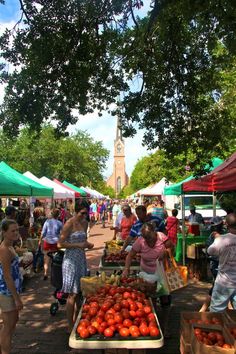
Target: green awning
point(13, 183)
point(77, 189)
point(176, 189)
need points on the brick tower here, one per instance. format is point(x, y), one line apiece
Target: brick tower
point(119, 177)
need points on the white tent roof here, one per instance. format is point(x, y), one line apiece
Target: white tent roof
point(155, 189)
point(93, 192)
point(59, 191)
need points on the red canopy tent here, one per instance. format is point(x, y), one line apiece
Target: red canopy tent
point(221, 179)
point(77, 194)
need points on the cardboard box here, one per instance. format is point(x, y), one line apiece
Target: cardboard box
point(230, 316)
point(198, 317)
point(201, 348)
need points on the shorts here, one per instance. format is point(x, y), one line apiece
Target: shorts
point(7, 303)
point(221, 295)
point(50, 247)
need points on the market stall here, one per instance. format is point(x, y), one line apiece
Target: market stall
point(177, 189)
point(16, 184)
point(154, 190)
point(113, 259)
point(60, 192)
point(76, 193)
point(77, 189)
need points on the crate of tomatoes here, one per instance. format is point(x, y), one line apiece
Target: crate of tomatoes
point(117, 317)
point(208, 339)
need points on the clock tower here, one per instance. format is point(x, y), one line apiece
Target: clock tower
point(119, 177)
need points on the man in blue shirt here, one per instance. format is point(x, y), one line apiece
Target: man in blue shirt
point(143, 217)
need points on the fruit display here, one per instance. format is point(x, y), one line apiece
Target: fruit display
point(211, 338)
point(113, 247)
point(89, 285)
point(119, 258)
point(117, 312)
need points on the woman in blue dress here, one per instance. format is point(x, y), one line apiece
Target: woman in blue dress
point(74, 240)
point(10, 283)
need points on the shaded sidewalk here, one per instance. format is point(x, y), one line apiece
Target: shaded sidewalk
point(39, 332)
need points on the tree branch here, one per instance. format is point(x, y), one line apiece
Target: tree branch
point(23, 10)
point(132, 14)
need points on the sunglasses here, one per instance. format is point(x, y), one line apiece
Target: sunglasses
point(84, 213)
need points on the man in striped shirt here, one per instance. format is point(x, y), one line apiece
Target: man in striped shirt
point(143, 217)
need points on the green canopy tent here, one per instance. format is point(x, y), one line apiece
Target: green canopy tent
point(177, 189)
point(13, 183)
point(77, 189)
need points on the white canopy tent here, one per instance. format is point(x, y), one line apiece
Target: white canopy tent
point(59, 191)
point(155, 189)
point(93, 192)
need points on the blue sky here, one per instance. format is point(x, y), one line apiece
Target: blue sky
point(100, 128)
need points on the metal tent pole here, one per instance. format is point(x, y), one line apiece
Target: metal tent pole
point(214, 204)
point(183, 225)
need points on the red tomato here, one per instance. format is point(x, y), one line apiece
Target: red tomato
point(212, 336)
point(84, 333)
point(117, 307)
point(137, 321)
point(127, 323)
point(113, 328)
point(118, 318)
point(84, 323)
point(133, 329)
point(151, 317)
point(139, 304)
point(125, 304)
point(102, 327)
point(132, 313)
point(126, 295)
point(109, 316)
point(227, 346)
point(125, 313)
point(140, 313)
point(197, 331)
point(86, 307)
point(133, 306)
point(144, 330)
point(220, 343)
point(119, 326)
point(106, 306)
point(147, 309)
point(101, 314)
point(154, 331)
point(108, 332)
point(133, 295)
point(79, 328)
point(95, 324)
point(92, 329)
point(124, 332)
point(135, 333)
point(93, 311)
point(111, 321)
point(111, 310)
point(94, 304)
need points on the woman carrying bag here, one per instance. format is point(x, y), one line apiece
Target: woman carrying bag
point(152, 247)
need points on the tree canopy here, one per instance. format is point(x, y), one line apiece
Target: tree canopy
point(158, 165)
point(173, 66)
point(76, 158)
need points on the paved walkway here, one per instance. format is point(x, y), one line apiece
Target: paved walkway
point(39, 332)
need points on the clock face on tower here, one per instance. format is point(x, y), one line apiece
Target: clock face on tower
point(118, 149)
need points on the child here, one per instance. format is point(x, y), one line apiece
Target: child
point(10, 284)
point(172, 226)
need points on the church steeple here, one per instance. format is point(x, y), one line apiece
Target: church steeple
point(119, 178)
point(118, 130)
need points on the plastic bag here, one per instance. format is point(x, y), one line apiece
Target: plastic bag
point(162, 283)
point(150, 278)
